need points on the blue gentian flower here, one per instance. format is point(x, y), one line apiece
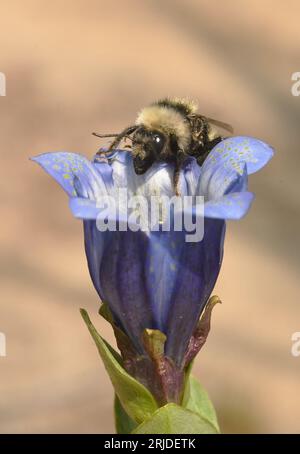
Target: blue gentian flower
point(157, 280)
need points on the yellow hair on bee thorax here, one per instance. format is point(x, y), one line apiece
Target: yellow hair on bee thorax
point(190, 105)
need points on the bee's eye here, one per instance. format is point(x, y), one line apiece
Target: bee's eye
point(158, 141)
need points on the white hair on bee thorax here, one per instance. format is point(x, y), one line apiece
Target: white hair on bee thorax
point(168, 120)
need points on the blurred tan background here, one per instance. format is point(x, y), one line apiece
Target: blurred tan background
point(73, 67)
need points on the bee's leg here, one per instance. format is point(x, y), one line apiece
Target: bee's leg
point(176, 180)
point(178, 164)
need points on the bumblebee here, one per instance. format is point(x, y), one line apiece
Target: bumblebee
point(169, 130)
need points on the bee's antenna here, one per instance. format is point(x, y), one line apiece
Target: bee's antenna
point(104, 135)
point(118, 137)
point(99, 152)
point(125, 133)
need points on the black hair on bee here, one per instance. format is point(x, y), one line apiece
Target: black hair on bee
point(169, 130)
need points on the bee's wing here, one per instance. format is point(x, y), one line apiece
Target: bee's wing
point(220, 124)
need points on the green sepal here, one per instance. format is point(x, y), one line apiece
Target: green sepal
point(154, 343)
point(105, 313)
point(135, 398)
point(173, 419)
point(196, 399)
point(124, 424)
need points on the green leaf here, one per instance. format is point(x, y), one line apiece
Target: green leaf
point(196, 399)
point(124, 424)
point(136, 400)
point(173, 419)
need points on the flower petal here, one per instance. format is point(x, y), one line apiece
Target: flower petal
point(196, 275)
point(76, 174)
point(95, 243)
point(102, 164)
point(107, 211)
point(162, 265)
point(231, 206)
point(83, 208)
point(157, 181)
point(117, 267)
point(234, 150)
point(227, 160)
point(123, 174)
point(217, 180)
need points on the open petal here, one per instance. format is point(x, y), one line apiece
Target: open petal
point(227, 160)
point(84, 208)
point(103, 211)
point(231, 206)
point(217, 180)
point(157, 181)
point(102, 165)
point(122, 170)
point(75, 174)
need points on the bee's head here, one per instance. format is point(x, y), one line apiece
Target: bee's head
point(148, 146)
point(161, 132)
